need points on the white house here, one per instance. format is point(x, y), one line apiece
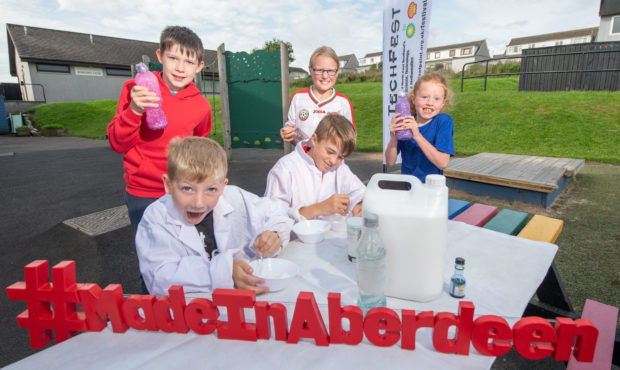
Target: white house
point(369, 60)
point(456, 55)
point(609, 28)
point(580, 36)
point(295, 73)
point(348, 63)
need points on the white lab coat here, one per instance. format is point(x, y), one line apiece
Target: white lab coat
point(171, 252)
point(296, 181)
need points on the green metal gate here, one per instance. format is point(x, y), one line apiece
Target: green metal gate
point(255, 98)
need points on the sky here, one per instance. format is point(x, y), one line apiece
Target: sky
point(349, 26)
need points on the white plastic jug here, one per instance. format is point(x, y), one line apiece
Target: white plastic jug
point(413, 222)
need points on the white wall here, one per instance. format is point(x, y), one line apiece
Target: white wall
point(556, 42)
point(604, 30)
point(63, 87)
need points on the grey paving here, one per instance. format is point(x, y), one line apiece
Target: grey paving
point(100, 222)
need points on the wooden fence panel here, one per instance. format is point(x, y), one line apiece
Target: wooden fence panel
point(591, 66)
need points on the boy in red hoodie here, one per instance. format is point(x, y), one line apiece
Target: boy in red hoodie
point(188, 114)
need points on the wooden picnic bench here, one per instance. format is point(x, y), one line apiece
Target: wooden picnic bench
point(551, 299)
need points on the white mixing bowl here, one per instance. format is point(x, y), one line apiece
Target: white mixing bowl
point(311, 231)
point(277, 272)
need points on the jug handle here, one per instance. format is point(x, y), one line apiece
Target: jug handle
point(373, 184)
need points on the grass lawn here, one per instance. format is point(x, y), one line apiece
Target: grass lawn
point(589, 255)
point(85, 119)
point(502, 120)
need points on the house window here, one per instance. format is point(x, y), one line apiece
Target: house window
point(452, 52)
point(466, 51)
point(558, 43)
point(52, 68)
point(615, 26)
point(117, 72)
point(437, 55)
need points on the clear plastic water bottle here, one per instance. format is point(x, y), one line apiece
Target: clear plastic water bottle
point(403, 107)
point(300, 135)
point(155, 117)
point(457, 281)
point(370, 265)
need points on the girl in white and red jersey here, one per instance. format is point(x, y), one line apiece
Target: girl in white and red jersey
point(309, 106)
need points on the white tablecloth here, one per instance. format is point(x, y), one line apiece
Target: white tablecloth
point(502, 274)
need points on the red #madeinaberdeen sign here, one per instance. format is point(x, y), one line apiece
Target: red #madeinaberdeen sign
point(52, 307)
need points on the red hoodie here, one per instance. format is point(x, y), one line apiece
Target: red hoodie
point(145, 150)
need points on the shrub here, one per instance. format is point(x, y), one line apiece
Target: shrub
point(52, 126)
point(24, 130)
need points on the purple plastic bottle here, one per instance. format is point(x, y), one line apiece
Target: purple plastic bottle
point(403, 107)
point(155, 117)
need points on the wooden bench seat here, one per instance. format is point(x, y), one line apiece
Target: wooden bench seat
point(604, 317)
point(477, 214)
point(542, 228)
point(456, 206)
point(508, 222)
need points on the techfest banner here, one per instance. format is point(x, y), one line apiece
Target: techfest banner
point(405, 31)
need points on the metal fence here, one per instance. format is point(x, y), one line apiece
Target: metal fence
point(592, 66)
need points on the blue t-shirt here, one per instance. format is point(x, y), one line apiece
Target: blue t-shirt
point(438, 132)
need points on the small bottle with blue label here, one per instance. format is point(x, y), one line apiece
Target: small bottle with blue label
point(457, 281)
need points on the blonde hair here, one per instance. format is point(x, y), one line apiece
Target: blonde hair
point(431, 77)
point(325, 51)
point(196, 159)
point(338, 128)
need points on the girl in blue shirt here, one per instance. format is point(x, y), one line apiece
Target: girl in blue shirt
point(431, 147)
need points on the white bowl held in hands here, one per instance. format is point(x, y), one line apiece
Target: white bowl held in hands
point(277, 272)
point(311, 231)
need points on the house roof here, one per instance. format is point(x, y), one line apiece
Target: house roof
point(456, 46)
point(55, 46)
point(609, 8)
point(554, 36)
point(378, 53)
point(345, 57)
point(297, 69)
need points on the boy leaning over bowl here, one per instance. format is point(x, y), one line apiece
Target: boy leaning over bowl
point(202, 232)
point(313, 180)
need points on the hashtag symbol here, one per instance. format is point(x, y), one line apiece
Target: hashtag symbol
point(51, 307)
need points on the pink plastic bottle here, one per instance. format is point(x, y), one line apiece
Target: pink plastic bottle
point(155, 117)
point(403, 107)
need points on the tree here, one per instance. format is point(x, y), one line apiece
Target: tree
point(274, 45)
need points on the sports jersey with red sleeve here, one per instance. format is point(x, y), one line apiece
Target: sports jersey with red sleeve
point(306, 111)
point(145, 150)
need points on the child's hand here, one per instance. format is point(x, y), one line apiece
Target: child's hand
point(398, 123)
point(288, 133)
point(243, 279)
point(357, 210)
point(267, 243)
point(403, 123)
point(141, 98)
point(336, 204)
